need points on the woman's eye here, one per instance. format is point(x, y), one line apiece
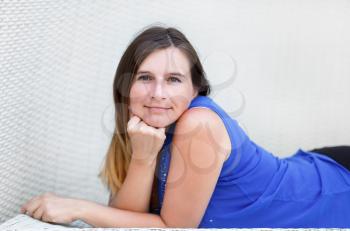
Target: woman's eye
point(174, 79)
point(144, 77)
point(147, 78)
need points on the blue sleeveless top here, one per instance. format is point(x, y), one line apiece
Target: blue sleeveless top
point(257, 189)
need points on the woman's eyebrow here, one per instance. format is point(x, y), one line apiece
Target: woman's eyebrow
point(143, 72)
point(177, 74)
point(171, 73)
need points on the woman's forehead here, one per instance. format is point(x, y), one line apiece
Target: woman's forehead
point(166, 61)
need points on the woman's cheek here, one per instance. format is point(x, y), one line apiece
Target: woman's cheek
point(136, 108)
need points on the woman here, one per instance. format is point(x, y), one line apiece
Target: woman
point(216, 177)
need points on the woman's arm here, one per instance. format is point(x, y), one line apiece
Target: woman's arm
point(195, 166)
point(146, 141)
point(101, 216)
point(199, 148)
point(135, 193)
point(49, 207)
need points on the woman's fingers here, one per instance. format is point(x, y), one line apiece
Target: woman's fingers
point(45, 218)
point(161, 131)
point(133, 122)
point(38, 213)
point(31, 206)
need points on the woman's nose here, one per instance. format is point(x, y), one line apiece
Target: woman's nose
point(158, 91)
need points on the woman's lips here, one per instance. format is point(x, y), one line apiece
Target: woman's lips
point(157, 109)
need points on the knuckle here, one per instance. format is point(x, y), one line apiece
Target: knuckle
point(160, 135)
point(129, 130)
point(143, 130)
point(44, 218)
point(129, 127)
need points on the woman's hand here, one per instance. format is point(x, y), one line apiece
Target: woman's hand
point(51, 208)
point(146, 141)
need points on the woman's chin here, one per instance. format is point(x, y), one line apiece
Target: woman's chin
point(157, 124)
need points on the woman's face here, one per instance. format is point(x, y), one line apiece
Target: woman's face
point(162, 87)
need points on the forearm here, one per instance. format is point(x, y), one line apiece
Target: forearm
point(102, 216)
point(135, 193)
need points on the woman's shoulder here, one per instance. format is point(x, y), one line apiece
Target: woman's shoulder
point(198, 121)
point(195, 116)
point(202, 113)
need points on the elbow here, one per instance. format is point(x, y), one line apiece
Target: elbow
point(174, 225)
point(164, 224)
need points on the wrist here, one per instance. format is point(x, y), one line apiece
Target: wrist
point(149, 162)
point(81, 207)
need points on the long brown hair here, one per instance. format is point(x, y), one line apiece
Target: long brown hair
point(150, 39)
